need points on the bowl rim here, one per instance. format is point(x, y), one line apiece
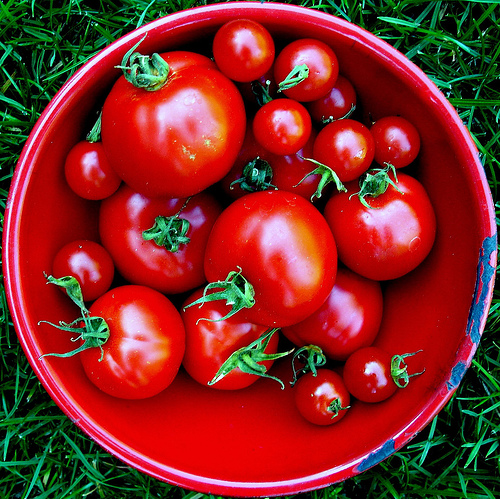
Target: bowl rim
point(480, 301)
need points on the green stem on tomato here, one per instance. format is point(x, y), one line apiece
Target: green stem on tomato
point(256, 176)
point(297, 75)
point(399, 369)
point(311, 356)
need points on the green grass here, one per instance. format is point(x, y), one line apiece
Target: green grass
point(43, 454)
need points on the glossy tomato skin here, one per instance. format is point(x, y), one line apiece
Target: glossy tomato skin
point(348, 320)
point(243, 50)
point(315, 394)
point(389, 239)
point(283, 247)
point(321, 61)
point(209, 343)
point(88, 172)
point(282, 126)
point(146, 344)
point(397, 141)
point(87, 261)
point(124, 216)
point(367, 375)
point(178, 140)
point(347, 147)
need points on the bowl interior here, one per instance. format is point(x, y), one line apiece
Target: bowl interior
point(253, 442)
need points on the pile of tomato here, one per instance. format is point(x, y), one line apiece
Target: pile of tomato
point(245, 215)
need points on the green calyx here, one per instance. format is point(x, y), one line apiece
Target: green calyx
point(235, 290)
point(297, 75)
point(312, 357)
point(336, 406)
point(248, 359)
point(256, 176)
point(375, 182)
point(92, 331)
point(144, 71)
point(327, 175)
point(399, 370)
point(261, 92)
point(95, 133)
point(330, 119)
point(169, 232)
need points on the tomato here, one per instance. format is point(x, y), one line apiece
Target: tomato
point(285, 251)
point(348, 320)
point(145, 346)
point(178, 139)
point(89, 263)
point(282, 126)
point(336, 104)
point(88, 172)
point(243, 50)
point(322, 64)
point(390, 235)
point(322, 399)
point(347, 147)
point(124, 217)
point(209, 343)
point(397, 141)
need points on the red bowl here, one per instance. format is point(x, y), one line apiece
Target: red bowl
point(253, 442)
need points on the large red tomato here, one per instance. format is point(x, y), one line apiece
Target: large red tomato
point(178, 139)
point(281, 244)
point(385, 236)
point(349, 319)
point(125, 216)
point(145, 346)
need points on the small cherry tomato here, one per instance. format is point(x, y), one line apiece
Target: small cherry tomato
point(243, 50)
point(145, 346)
point(397, 141)
point(88, 172)
point(336, 104)
point(347, 147)
point(348, 320)
point(387, 236)
point(322, 399)
point(322, 69)
point(87, 261)
point(282, 126)
point(367, 375)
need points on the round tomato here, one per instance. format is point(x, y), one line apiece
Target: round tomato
point(88, 172)
point(322, 69)
point(347, 147)
point(178, 139)
point(211, 339)
point(145, 346)
point(282, 126)
point(336, 104)
point(89, 263)
point(281, 244)
point(348, 320)
point(397, 141)
point(243, 50)
point(125, 216)
point(323, 398)
point(386, 236)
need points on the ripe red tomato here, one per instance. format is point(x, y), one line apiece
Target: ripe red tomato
point(145, 347)
point(209, 343)
point(176, 140)
point(322, 399)
point(243, 50)
point(367, 375)
point(336, 104)
point(88, 172)
point(282, 126)
point(348, 320)
point(285, 250)
point(124, 217)
point(388, 239)
point(397, 141)
point(322, 64)
point(347, 147)
point(89, 263)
